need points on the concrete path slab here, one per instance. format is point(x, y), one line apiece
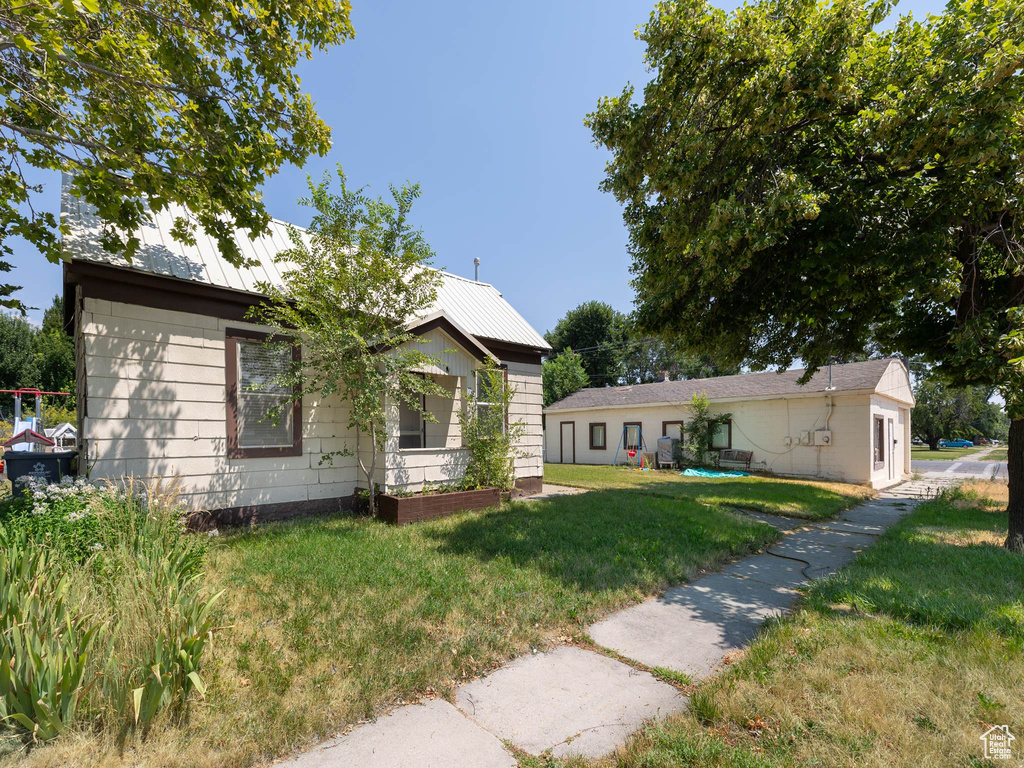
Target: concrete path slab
point(723, 595)
point(769, 570)
point(569, 701)
point(810, 539)
point(660, 634)
point(776, 521)
point(870, 527)
point(433, 734)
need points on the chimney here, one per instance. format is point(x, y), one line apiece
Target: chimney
point(476, 269)
point(663, 376)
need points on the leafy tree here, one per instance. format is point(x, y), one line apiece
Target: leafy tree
point(55, 355)
point(562, 375)
point(17, 357)
point(941, 411)
point(797, 183)
point(592, 330)
point(350, 288)
point(155, 103)
point(700, 432)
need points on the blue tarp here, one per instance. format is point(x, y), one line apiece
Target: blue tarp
point(713, 473)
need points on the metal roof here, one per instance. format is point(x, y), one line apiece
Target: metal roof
point(848, 377)
point(477, 307)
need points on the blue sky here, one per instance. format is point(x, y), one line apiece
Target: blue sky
point(482, 104)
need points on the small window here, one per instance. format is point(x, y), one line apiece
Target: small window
point(598, 441)
point(879, 442)
point(672, 429)
point(486, 399)
point(410, 426)
point(252, 373)
point(631, 436)
point(722, 438)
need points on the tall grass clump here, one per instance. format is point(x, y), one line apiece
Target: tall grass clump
point(104, 616)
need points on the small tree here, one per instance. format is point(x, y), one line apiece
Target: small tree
point(350, 288)
point(562, 375)
point(700, 431)
point(492, 440)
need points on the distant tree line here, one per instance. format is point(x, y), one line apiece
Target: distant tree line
point(944, 412)
point(41, 357)
point(596, 346)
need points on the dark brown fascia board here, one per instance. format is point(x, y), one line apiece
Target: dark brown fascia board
point(123, 284)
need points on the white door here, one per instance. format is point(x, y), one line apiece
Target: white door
point(567, 442)
point(892, 451)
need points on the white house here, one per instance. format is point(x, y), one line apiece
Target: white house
point(164, 354)
point(850, 423)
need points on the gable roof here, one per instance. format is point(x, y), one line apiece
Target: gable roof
point(477, 307)
point(848, 377)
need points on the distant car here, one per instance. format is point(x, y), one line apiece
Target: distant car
point(918, 443)
point(958, 443)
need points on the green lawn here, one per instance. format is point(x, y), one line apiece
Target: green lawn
point(904, 658)
point(942, 454)
point(328, 621)
point(795, 498)
point(999, 454)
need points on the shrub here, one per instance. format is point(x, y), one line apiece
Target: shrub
point(487, 433)
point(47, 641)
point(700, 432)
point(139, 574)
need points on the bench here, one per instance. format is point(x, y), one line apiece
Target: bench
point(733, 456)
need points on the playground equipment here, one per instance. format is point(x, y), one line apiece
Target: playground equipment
point(633, 451)
point(30, 452)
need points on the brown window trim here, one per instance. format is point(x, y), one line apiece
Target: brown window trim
point(878, 442)
point(639, 434)
point(665, 425)
point(729, 446)
point(593, 445)
point(231, 337)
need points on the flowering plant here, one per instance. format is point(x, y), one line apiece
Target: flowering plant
point(60, 514)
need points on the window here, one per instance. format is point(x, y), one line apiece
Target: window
point(879, 442)
point(412, 428)
point(631, 435)
point(598, 441)
point(251, 372)
point(722, 438)
point(672, 429)
point(486, 399)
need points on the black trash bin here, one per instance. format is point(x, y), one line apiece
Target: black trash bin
point(50, 466)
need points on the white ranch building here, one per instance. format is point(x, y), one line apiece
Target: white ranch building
point(850, 424)
point(164, 355)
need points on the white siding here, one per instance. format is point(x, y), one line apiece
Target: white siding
point(154, 407)
point(152, 385)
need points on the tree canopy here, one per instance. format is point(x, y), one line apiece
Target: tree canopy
point(798, 183)
point(167, 101)
point(941, 411)
point(591, 330)
point(350, 289)
point(562, 375)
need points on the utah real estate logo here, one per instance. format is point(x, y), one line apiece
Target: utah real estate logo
point(997, 742)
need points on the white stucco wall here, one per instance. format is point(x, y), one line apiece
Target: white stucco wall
point(761, 426)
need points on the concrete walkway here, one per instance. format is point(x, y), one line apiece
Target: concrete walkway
point(571, 701)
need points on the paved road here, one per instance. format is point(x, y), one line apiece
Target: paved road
point(962, 467)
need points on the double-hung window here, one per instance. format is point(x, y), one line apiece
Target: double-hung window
point(489, 401)
point(263, 416)
point(411, 425)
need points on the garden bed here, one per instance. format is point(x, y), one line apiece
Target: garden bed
point(401, 510)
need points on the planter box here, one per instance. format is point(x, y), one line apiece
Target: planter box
point(400, 510)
